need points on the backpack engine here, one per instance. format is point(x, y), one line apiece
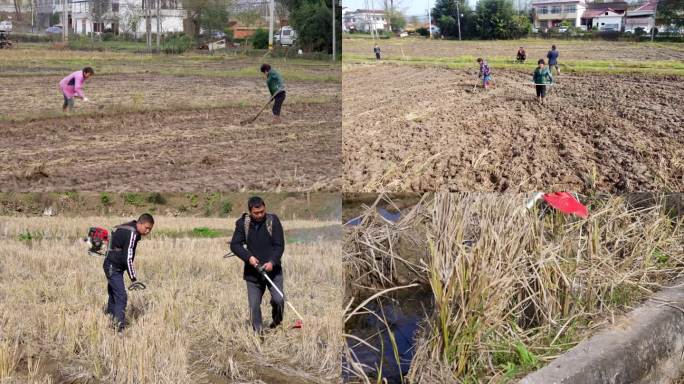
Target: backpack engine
point(97, 236)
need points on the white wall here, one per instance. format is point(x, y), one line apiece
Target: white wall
point(603, 21)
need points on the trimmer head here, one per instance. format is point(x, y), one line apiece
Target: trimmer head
point(137, 286)
point(298, 324)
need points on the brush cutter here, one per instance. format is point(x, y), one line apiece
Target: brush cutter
point(561, 201)
point(261, 110)
point(96, 238)
point(137, 286)
point(299, 322)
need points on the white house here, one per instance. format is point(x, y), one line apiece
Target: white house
point(364, 20)
point(119, 16)
point(127, 16)
point(605, 20)
point(551, 13)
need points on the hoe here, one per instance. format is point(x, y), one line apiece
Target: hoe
point(261, 110)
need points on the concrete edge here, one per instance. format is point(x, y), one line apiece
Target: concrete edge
point(645, 346)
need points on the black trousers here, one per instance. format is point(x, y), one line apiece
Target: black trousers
point(255, 293)
point(541, 90)
point(278, 103)
point(118, 298)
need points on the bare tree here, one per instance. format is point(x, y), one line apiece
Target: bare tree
point(99, 10)
point(17, 9)
point(158, 25)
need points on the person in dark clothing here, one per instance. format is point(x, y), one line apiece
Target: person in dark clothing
point(276, 87)
point(376, 49)
point(521, 56)
point(553, 59)
point(542, 79)
point(119, 258)
point(262, 234)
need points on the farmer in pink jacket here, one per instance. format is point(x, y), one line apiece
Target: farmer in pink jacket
point(72, 85)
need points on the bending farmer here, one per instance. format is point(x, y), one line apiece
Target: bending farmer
point(276, 87)
point(72, 86)
point(262, 233)
point(119, 258)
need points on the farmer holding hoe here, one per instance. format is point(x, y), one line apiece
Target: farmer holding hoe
point(277, 89)
point(542, 79)
point(262, 234)
point(485, 73)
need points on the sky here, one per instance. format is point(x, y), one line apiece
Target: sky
point(408, 7)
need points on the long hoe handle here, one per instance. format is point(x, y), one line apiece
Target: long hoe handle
point(262, 109)
point(281, 295)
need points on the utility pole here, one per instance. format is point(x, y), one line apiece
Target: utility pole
point(458, 16)
point(429, 20)
point(334, 9)
point(655, 11)
point(271, 10)
point(33, 16)
point(158, 25)
point(148, 24)
point(65, 22)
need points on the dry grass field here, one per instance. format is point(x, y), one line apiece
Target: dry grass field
point(189, 325)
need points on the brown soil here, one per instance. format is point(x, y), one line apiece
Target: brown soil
point(179, 150)
point(535, 48)
point(422, 129)
point(40, 95)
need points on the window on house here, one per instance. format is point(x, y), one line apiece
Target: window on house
point(543, 11)
point(115, 7)
point(556, 9)
point(571, 8)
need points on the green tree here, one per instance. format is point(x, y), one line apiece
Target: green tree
point(214, 17)
point(397, 20)
point(497, 20)
point(670, 12)
point(260, 39)
point(446, 14)
point(312, 19)
point(196, 10)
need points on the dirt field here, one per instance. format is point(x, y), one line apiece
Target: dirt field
point(189, 326)
point(535, 48)
point(421, 128)
point(167, 124)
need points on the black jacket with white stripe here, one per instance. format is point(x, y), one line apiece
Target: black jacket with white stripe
point(122, 247)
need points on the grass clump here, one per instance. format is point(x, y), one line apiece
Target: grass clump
point(512, 288)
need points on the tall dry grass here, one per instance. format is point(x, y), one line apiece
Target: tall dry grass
point(513, 288)
point(189, 326)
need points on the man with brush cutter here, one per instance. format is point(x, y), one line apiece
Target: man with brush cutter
point(262, 234)
point(119, 258)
